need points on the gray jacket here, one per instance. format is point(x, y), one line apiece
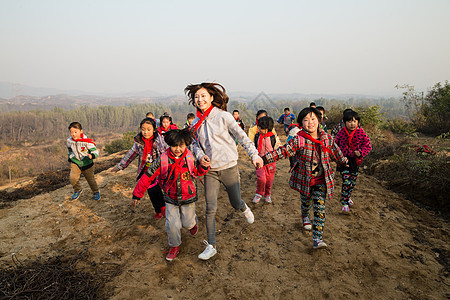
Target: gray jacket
point(215, 139)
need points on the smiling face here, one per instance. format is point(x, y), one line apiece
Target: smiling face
point(351, 125)
point(310, 123)
point(165, 123)
point(178, 150)
point(203, 99)
point(75, 133)
point(147, 130)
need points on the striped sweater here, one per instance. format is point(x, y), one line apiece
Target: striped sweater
point(304, 150)
point(78, 151)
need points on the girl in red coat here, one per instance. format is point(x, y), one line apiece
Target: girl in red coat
point(355, 145)
point(176, 170)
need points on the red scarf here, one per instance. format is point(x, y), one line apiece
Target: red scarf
point(261, 138)
point(307, 136)
point(202, 118)
point(286, 115)
point(83, 138)
point(350, 138)
point(148, 147)
point(176, 167)
point(161, 129)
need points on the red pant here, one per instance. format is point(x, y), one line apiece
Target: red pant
point(265, 177)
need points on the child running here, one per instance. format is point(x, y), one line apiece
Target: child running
point(214, 130)
point(265, 142)
point(148, 145)
point(189, 118)
point(355, 145)
point(287, 119)
point(81, 153)
point(176, 171)
point(166, 124)
point(312, 174)
point(238, 119)
point(252, 131)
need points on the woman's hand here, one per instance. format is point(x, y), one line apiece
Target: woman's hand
point(258, 162)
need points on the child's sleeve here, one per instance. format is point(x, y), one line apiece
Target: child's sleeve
point(337, 153)
point(287, 150)
point(366, 144)
point(146, 180)
point(280, 119)
point(92, 150)
point(128, 157)
point(200, 170)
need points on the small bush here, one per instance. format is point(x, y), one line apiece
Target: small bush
point(124, 143)
point(400, 126)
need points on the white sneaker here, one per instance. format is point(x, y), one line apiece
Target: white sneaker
point(209, 252)
point(307, 223)
point(268, 199)
point(350, 202)
point(248, 215)
point(257, 198)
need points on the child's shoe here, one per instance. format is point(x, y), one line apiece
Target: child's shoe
point(173, 251)
point(306, 223)
point(193, 230)
point(248, 215)
point(345, 209)
point(268, 199)
point(257, 198)
point(158, 215)
point(76, 195)
point(209, 252)
point(97, 196)
point(350, 202)
point(317, 244)
point(163, 211)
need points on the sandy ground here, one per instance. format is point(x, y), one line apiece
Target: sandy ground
point(387, 248)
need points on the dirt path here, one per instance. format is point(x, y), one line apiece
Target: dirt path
point(387, 248)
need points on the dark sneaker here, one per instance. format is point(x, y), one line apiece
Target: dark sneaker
point(317, 244)
point(173, 251)
point(97, 196)
point(76, 195)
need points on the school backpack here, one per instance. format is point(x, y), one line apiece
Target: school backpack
point(273, 140)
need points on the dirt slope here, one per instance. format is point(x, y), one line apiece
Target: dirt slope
point(386, 249)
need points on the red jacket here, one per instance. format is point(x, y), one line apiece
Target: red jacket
point(360, 142)
point(179, 188)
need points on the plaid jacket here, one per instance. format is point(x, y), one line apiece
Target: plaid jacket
point(304, 150)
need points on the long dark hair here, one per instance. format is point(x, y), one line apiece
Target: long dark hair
point(220, 97)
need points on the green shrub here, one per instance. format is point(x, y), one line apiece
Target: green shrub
point(124, 143)
point(400, 126)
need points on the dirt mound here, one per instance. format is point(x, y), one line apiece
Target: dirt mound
point(49, 181)
point(387, 248)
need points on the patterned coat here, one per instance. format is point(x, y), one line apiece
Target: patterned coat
point(304, 149)
point(360, 141)
point(159, 146)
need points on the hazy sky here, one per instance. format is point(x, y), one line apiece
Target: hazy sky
point(279, 46)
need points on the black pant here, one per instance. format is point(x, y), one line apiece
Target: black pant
point(157, 198)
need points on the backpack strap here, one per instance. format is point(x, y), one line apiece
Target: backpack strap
point(273, 141)
point(256, 139)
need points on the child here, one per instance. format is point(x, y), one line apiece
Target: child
point(81, 152)
point(287, 119)
point(355, 145)
point(312, 174)
point(252, 131)
point(151, 115)
point(176, 170)
point(189, 118)
point(166, 124)
point(214, 130)
point(341, 124)
point(238, 120)
point(322, 124)
point(148, 145)
point(265, 142)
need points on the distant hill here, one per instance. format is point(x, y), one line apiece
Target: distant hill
point(10, 90)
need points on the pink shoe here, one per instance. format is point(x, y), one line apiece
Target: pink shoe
point(350, 202)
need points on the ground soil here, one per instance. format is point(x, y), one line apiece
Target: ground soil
point(387, 248)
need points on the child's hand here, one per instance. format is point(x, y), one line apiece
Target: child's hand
point(205, 160)
point(357, 153)
point(90, 156)
point(115, 169)
point(205, 163)
point(346, 162)
point(135, 202)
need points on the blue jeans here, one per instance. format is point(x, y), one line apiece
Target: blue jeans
point(213, 179)
point(176, 218)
